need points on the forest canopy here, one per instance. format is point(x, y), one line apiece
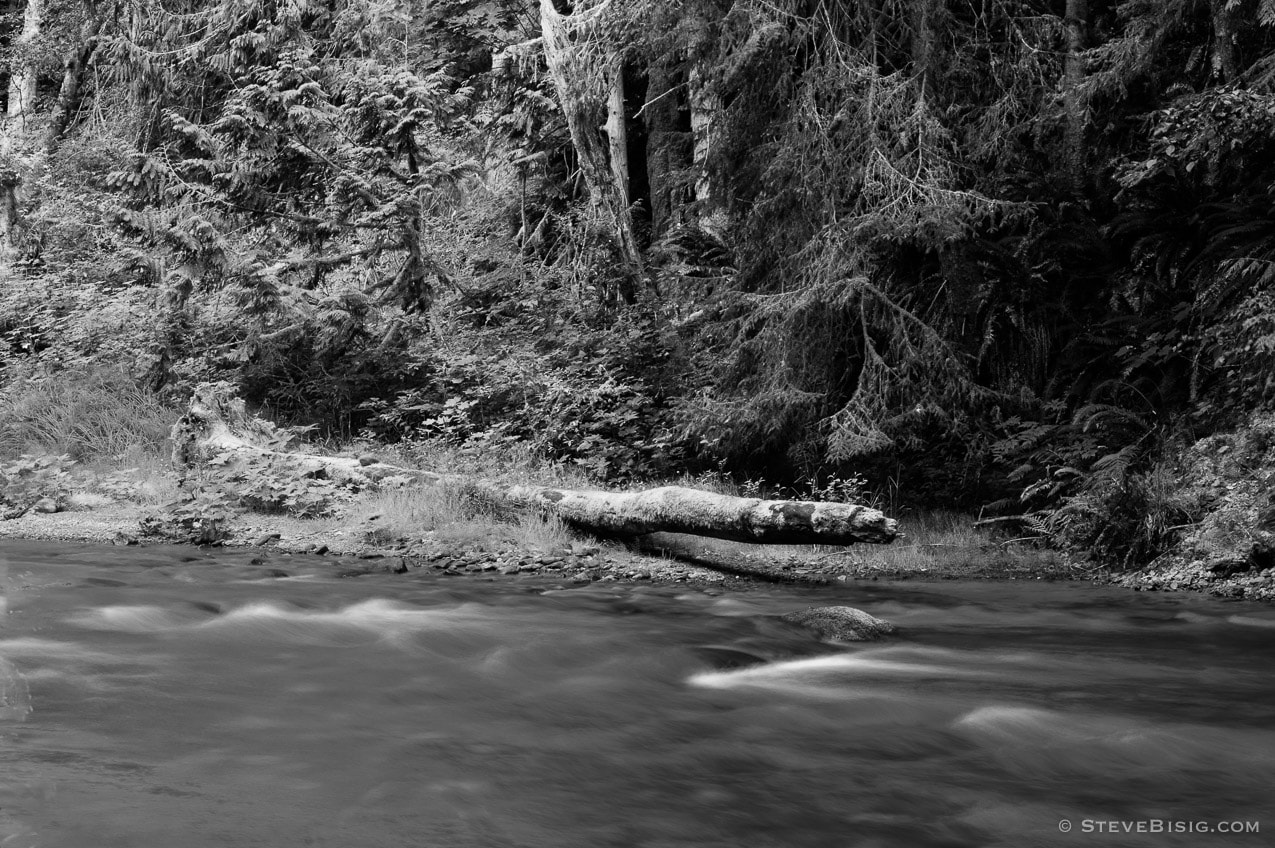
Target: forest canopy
point(1003, 254)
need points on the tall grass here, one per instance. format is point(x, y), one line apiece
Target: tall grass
point(100, 413)
point(458, 514)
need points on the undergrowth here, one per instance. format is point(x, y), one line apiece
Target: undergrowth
point(96, 413)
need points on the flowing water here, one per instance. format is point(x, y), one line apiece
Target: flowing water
point(164, 697)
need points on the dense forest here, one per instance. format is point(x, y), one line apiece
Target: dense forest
point(1009, 255)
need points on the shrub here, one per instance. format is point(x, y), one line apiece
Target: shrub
point(29, 479)
point(201, 519)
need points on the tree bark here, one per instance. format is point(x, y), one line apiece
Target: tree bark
point(923, 37)
point(706, 105)
point(588, 77)
point(216, 424)
point(76, 64)
point(22, 75)
point(22, 80)
point(666, 151)
point(1077, 24)
point(1226, 55)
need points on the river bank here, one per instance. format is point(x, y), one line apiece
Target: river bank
point(494, 549)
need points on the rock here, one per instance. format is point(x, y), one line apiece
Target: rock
point(266, 539)
point(45, 505)
point(1227, 566)
point(368, 459)
point(840, 624)
point(122, 538)
point(397, 566)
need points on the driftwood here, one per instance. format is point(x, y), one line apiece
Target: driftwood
point(216, 425)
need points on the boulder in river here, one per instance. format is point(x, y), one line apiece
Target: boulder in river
point(840, 624)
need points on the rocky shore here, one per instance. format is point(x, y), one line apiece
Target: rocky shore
point(661, 558)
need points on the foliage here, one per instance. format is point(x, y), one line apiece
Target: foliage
point(202, 517)
point(30, 478)
point(934, 250)
point(596, 399)
point(229, 485)
point(278, 484)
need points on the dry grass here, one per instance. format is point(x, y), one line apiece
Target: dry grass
point(456, 514)
point(935, 544)
point(139, 475)
point(930, 539)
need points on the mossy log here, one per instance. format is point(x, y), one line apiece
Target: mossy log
point(216, 424)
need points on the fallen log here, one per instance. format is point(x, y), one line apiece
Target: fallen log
point(216, 426)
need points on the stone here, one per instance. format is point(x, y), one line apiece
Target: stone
point(368, 459)
point(840, 624)
point(45, 505)
point(122, 538)
point(266, 539)
point(397, 566)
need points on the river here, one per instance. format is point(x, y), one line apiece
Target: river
point(172, 697)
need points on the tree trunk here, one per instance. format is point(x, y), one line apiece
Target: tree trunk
point(216, 424)
point(22, 79)
point(22, 74)
point(77, 62)
point(588, 77)
point(706, 105)
point(1226, 56)
point(1073, 102)
point(666, 153)
point(923, 58)
point(618, 143)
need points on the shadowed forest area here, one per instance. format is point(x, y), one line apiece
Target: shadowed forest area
point(1012, 257)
